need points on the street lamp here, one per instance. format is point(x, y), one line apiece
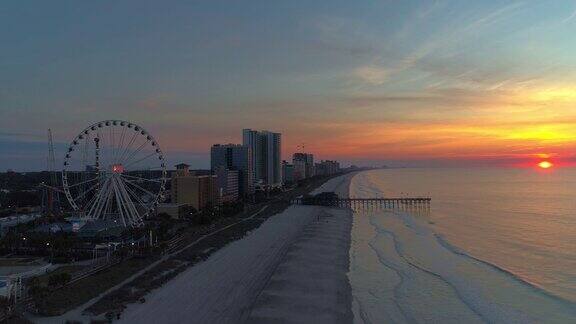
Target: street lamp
point(48, 245)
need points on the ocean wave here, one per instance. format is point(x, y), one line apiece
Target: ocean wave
point(539, 289)
point(416, 251)
point(480, 289)
point(398, 249)
point(397, 270)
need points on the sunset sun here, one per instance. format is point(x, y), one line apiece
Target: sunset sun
point(545, 165)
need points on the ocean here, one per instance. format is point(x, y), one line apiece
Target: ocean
point(497, 245)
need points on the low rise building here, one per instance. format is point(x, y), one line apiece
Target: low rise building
point(54, 228)
point(227, 184)
point(197, 191)
point(287, 172)
point(175, 211)
point(8, 222)
point(101, 228)
point(327, 167)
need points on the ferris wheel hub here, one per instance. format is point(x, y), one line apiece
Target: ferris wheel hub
point(117, 168)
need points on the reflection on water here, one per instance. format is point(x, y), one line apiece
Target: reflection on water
point(519, 219)
point(483, 252)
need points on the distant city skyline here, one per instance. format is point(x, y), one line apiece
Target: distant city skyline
point(414, 83)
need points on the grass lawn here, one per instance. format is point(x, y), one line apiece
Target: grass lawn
point(64, 269)
point(61, 300)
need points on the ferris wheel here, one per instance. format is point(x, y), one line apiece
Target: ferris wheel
point(114, 170)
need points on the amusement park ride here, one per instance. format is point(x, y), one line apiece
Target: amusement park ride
point(50, 191)
point(113, 170)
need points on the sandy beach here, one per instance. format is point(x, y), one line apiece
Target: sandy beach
point(311, 284)
point(293, 268)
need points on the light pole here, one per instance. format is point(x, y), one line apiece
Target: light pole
point(49, 247)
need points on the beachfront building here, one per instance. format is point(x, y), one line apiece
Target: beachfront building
point(327, 167)
point(303, 165)
point(287, 172)
point(299, 172)
point(265, 147)
point(6, 223)
point(227, 184)
point(176, 211)
point(197, 191)
point(235, 157)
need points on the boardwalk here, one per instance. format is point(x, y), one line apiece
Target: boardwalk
point(367, 203)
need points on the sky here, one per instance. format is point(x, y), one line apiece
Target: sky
point(423, 83)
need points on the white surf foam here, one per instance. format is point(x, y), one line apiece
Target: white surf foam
point(402, 272)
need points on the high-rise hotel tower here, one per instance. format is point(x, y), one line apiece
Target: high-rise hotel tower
point(266, 148)
point(235, 157)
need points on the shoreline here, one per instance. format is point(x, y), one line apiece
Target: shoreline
point(513, 276)
point(402, 271)
point(311, 283)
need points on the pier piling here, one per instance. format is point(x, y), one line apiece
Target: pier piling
point(419, 203)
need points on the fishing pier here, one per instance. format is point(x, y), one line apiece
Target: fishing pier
point(328, 200)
